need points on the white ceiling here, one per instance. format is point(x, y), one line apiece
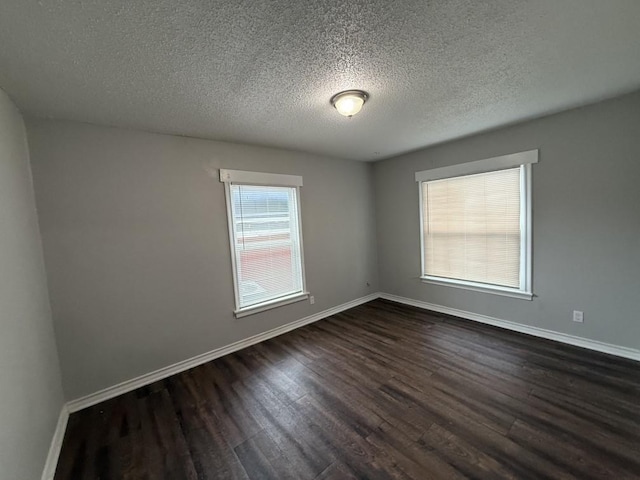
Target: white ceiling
point(262, 72)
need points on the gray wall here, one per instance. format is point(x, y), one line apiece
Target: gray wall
point(135, 237)
point(586, 221)
point(136, 245)
point(30, 389)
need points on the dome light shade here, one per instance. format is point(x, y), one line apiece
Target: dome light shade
point(349, 102)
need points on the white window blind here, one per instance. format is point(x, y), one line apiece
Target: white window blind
point(475, 224)
point(472, 227)
point(266, 239)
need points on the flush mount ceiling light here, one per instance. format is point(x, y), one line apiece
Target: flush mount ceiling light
point(349, 102)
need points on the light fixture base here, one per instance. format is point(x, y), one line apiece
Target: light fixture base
point(349, 102)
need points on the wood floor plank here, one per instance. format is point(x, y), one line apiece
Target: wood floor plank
point(212, 457)
point(164, 444)
point(336, 471)
point(381, 391)
point(236, 414)
point(584, 463)
point(414, 458)
point(362, 458)
point(466, 458)
point(292, 433)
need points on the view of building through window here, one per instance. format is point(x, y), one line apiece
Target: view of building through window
point(267, 242)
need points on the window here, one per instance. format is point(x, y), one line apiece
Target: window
point(476, 225)
point(266, 240)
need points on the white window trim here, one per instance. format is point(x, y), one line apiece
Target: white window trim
point(481, 166)
point(524, 160)
point(478, 287)
point(240, 177)
point(268, 305)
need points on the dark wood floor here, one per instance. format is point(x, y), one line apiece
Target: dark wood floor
point(379, 391)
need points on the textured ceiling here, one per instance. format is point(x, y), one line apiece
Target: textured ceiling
point(262, 72)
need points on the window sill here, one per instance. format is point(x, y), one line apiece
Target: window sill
point(278, 302)
point(478, 287)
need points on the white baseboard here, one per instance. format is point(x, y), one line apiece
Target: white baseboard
point(129, 385)
point(146, 379)
point(56, 445)
point(611, 349)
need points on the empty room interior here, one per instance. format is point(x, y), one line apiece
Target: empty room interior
point(319, 240)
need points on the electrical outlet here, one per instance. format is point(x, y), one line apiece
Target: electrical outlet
point(578, 316)
point(312, 299)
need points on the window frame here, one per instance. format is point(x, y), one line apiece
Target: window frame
point(524, 161)
point(240, 177)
